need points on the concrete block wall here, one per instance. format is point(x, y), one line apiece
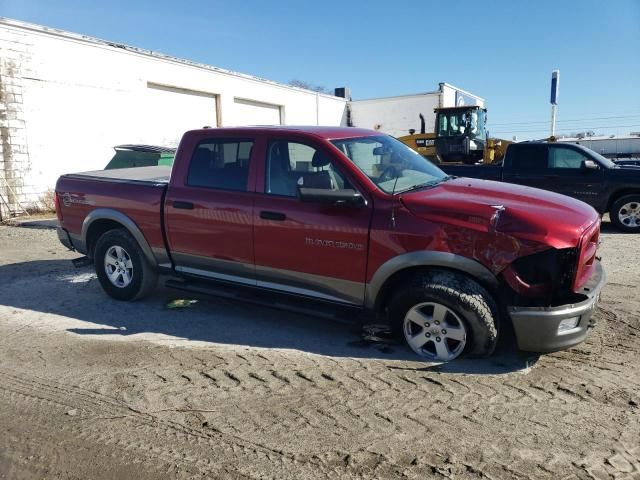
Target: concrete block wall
point(14, 149)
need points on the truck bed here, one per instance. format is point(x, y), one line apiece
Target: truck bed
point(153, 175)
point(137, 193)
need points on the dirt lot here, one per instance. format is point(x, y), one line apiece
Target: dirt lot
point(94, 388)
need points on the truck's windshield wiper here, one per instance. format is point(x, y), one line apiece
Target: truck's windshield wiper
point(432, 183)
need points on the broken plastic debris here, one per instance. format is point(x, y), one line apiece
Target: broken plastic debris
point(181, 303)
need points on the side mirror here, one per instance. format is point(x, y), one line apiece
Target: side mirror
point(589, 165)
point(345, 197)
point(381, 150)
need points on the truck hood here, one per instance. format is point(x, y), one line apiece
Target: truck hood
point(622, 170)
point(627, 163)
point(523, 212)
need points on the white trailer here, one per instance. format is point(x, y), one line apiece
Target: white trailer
point(398, 115)
point(622, 146)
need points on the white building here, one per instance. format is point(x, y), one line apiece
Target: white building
point(397, 115)
point(66, 100)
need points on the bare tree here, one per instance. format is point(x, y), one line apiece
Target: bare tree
point(309, 86)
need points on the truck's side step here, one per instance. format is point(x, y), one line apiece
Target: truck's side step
point(271, 299)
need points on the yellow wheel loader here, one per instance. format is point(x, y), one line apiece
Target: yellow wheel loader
point(460, 135)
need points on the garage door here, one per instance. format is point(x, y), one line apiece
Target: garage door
point(248, 112)
point(171, 111)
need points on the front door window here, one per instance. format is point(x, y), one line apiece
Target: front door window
point(291, 165)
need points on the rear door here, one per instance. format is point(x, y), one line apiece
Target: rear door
point(526, 164)
point(308, 248)
point(209, 208)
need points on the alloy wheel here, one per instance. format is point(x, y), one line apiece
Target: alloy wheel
point(434, 331)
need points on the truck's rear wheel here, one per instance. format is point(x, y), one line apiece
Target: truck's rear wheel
point(122, 269)
point(625, 213)
point(443, 315)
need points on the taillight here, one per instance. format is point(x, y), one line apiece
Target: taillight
point(56, 202)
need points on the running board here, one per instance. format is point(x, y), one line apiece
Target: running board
point(271, 299)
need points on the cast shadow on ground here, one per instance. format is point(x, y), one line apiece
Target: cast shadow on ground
point(57, 287)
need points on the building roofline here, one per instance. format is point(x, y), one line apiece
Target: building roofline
point(421, 94)
point(461, 90)
point(395, 97)
point(55, 32)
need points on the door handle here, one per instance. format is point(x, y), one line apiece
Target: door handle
point(272, 216)
point(182, 205)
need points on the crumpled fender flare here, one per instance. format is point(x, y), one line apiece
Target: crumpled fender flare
point(122, 219)
point(426, 259)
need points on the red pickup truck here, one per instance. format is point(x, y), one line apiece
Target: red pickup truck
point(344, 218)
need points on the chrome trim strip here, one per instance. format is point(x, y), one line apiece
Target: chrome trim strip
point(300, 291)
point(425, 259)
point(319, 286)
point(217, 276)
point(288, 281)
point(229, 268)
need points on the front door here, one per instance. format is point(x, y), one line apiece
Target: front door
point(308, 248)
point(566, 175)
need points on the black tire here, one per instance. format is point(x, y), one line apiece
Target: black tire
point(614, 213)
point(471, 302)
point(143, 276)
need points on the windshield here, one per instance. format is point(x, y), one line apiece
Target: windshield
point(470, 122)
point(390, 164)
point(604, 161)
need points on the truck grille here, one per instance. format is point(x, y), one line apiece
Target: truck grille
point(586, 256)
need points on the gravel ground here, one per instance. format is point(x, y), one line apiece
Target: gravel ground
point(94, 388)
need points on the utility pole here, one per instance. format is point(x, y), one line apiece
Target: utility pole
point(555, 91)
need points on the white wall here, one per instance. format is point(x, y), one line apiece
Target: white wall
point(249, 112)
point(395, 115)
point(70, 99)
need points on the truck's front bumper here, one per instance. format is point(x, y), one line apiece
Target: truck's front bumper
point(539, 329)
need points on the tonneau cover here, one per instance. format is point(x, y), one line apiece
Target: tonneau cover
point(155, 174)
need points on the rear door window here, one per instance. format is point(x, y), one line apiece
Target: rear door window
point(528, 158)
point(220, 164)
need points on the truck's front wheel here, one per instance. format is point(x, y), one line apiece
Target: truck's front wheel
point(122, 269)
point(442, 315)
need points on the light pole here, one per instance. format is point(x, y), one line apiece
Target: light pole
point(555, 91)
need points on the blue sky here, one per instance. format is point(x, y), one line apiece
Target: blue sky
point(503, 51)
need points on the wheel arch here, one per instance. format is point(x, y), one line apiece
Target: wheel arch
point(102, 220)
point(618, 194)
point(392, 272)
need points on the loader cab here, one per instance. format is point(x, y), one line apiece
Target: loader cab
point(461, 133)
